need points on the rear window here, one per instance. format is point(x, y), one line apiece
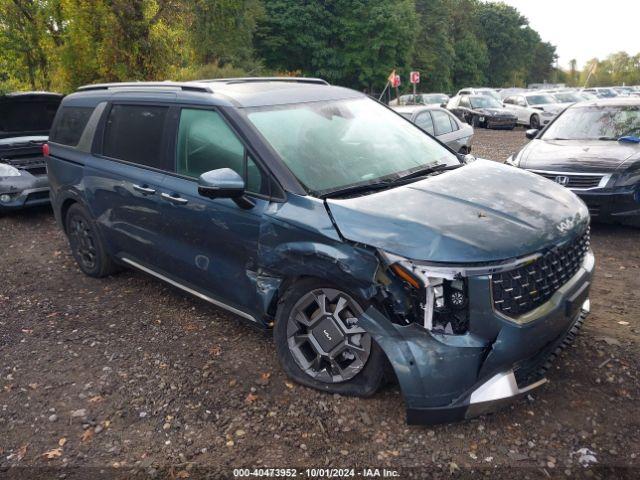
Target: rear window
point(70, 124)
point(134, 133)
point(26, 116)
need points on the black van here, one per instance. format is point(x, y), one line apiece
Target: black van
point(319, 213)
point(25, 120)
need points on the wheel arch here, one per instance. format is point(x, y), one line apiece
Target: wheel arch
point(64, 209)
point(339, 264)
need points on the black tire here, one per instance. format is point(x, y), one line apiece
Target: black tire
point(363, 384)
point(534, 121)
point(463, 151)
point(86, 243)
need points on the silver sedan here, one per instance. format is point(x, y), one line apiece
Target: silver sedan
point(442, 124)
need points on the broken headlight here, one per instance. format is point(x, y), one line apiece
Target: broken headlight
point(439, 298)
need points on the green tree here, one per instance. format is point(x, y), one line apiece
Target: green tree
point(541, 62)
point(471, 56)
point(508, 39)
point(223, 30)
point(350, 42)
point(434, 52)
point(117, 40)
point(30, 32)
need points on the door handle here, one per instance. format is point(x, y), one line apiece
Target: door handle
point(144, 190)
point(172, 199)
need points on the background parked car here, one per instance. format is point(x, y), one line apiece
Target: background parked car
point(593, 149)
point(601, 92)
point(567, 97)
point(438, 122)
point(623, 91)
point(421, 99)
point(507, 92)
point(533, 109)
point(481, 111)
point(25, 120)
point(491, 92)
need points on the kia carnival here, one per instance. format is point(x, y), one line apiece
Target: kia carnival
point(366, 245)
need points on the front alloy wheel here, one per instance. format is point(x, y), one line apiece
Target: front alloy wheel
point(324, 338)
point(321, 343)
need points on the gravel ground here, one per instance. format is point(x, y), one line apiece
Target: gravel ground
point(127, 377)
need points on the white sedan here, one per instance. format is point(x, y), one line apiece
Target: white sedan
point(533, 109)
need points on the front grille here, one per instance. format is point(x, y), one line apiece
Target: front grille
point(519, 291)
point(574, 180)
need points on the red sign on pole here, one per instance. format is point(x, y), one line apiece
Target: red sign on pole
point(414, 77)
point(396, 81)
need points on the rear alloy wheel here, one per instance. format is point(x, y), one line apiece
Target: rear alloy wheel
point(534, 121)
point(86, 245)
point(320, 343)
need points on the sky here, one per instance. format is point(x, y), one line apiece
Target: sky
point(583, 29)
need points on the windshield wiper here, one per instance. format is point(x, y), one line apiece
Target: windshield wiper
point(426, 171)
point(354, 189)
point(357, 189)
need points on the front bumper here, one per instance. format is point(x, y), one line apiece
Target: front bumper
point(447, 378)
point(620, 204)
point(23, 191)
point(501, 122)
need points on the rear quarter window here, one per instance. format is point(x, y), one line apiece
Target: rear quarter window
point(134, 133)
point(69, 125)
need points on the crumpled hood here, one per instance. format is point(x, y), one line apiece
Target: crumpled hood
point(577, 155)
point(481, 212)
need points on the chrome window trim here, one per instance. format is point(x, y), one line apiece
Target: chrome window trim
point(605, 177)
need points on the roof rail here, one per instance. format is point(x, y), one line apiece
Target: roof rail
point(185, 86)
point(316, 81)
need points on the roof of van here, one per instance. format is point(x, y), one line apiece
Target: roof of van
point(238, 92)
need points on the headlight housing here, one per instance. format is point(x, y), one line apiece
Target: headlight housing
point(8, 170)
point(441, 294)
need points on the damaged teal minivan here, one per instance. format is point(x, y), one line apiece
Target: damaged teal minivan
point(372, 250)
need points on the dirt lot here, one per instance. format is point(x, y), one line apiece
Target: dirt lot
point(127, 376)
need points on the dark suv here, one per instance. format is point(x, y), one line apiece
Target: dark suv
point(320, 213)
point(25, 119)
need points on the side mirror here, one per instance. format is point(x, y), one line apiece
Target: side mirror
point(532, 133)
point(444, 104)
point(224, 183)
point(468, 158)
